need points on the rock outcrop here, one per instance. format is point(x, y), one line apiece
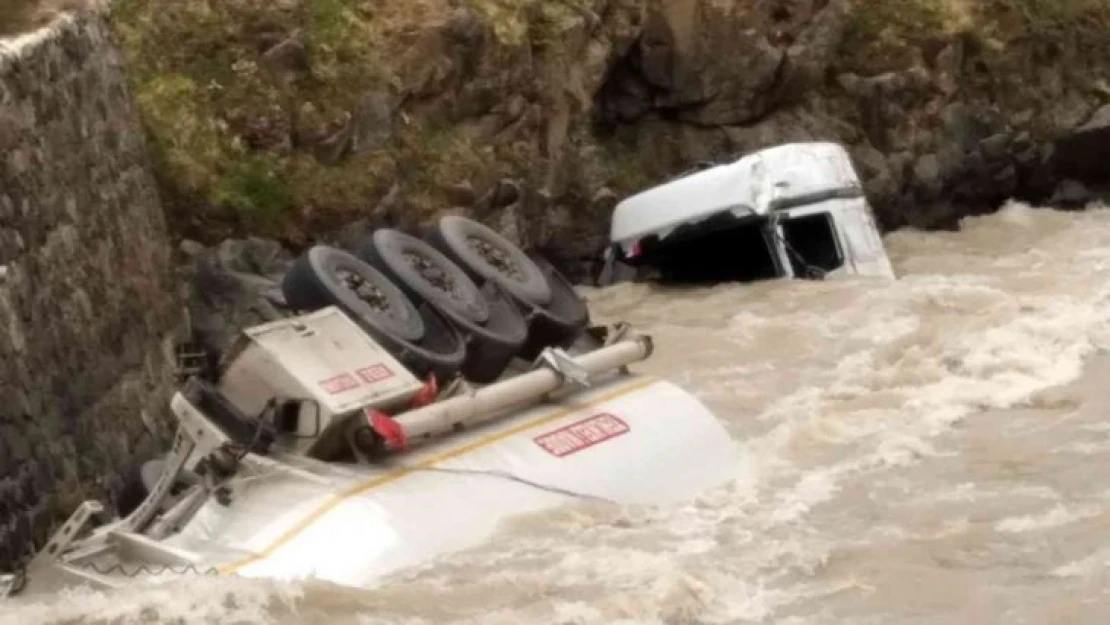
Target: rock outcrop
point(232, 286)
point(87, 301)
point(291, 118)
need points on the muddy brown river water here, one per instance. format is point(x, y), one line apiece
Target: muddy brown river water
point(933, 450)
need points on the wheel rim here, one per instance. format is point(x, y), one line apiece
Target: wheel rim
point(366, 291)
point(496, 257)
point(433, 274)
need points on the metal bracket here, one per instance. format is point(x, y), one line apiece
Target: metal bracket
point(190, 358)
point(564, 365)
point(618, 333)
point(66, 534)
point(147, 549)
point(195, 434)
point(175, 461)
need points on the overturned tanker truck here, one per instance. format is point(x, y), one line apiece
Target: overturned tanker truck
point(421, 391)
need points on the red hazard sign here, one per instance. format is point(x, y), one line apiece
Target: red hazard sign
point(374, 373)
point(339, 384)
point(582, 434)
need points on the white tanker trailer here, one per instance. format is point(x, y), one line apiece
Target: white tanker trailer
point(424, 391)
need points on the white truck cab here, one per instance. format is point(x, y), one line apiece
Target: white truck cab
point(792, 211)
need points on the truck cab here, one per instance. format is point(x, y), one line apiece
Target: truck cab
point(797, 210)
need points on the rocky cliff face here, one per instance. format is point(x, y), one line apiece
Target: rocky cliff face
point(86, 291)
point(293, 118)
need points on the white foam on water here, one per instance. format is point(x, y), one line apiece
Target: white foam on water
point(199, 601)
point(1055, 517)
point(1092, 564)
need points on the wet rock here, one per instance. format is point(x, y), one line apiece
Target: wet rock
point(254, 255)
point(949, 66)
point(461, 194)
point(234, 285)
point(505, 192)
point(996, 147)
point(1071, 194)
point(876, 173)
point(1100, 121)
point(604, 200)
point(369, 127)
point(1070, 111)
point(1085, 153)
point(965, 125)
point(191, 248)
point(928, 181)
point(287, 59)
point(466, 28)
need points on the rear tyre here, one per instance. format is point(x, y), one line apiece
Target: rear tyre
point(325, 276)
point(486, 255)
point(491, 322)
point(562, 321)
point(425, 273)
point(420, 337)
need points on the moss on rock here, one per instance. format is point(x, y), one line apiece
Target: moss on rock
point(243, 143)
point(890, 35)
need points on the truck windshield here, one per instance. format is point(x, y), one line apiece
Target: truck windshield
point(711, 252)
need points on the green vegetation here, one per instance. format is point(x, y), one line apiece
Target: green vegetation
point(886, 35)
point(217, 122)
point(240, 146)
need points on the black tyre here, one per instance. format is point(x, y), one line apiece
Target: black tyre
point(488, 318)
point(326, 276)
point(562, 321)
point(419, 336)
point(425, 273)
point(486, 255)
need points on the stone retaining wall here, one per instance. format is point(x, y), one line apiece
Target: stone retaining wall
point(86, 288)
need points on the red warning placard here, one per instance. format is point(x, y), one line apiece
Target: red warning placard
point(339, 383)
point(375, 373)
point(582, 434)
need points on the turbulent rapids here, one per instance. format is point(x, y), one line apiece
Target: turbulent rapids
point(924, 450)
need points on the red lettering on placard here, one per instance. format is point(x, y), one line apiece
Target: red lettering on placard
point(582, 434)
point(375, 373)
point(339, 384)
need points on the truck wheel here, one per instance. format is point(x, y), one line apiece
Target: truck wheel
point(486, 255)
point(325, 276)
point(488, 317)
point(562, 321)
point(418, 335)
point(425, 273)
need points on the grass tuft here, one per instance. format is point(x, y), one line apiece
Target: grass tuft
point(890, 35)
